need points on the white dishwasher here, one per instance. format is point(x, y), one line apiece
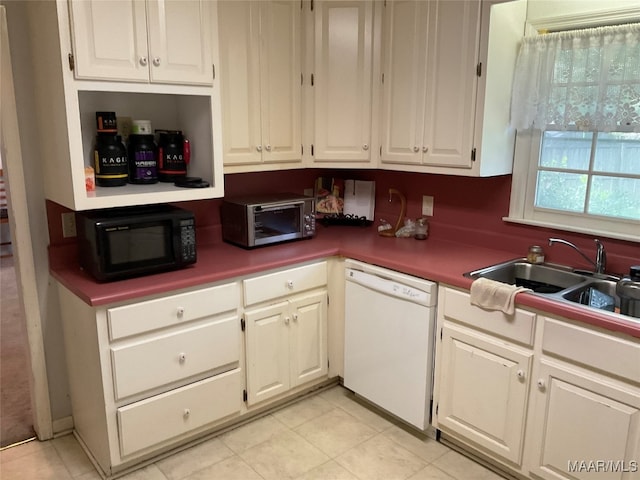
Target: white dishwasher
point(389, 340)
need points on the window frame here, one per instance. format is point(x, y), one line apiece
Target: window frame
point(522, 207)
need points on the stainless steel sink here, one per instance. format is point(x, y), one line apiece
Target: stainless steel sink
point(556, 282)
point(541, 278)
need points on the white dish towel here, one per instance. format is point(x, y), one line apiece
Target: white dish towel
point(493, 295)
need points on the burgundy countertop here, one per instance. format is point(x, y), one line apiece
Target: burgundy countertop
point(433, 259)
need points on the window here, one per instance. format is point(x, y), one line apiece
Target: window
point(576, 105)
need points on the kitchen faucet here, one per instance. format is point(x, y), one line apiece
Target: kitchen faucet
point(601, 256)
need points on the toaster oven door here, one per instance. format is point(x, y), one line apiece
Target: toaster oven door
point(276, 223)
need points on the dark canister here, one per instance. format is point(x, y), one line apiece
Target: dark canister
point(142, 159)
point(110, 160)
point(173, 155)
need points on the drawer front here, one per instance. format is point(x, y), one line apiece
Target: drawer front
point(279, 284)
point(592, 348)
point(456, 306)
point(180, 354)
point(164, 312)
point(160, 418)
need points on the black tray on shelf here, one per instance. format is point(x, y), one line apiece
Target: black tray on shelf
point(345, 220)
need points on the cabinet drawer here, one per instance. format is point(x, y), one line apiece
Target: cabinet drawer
point(279, 284)
point(160, 418)
point(592, 348)
point(172, 310)
point(456, 306)
point(176, 355)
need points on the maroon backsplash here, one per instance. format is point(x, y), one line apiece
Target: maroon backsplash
point(466, 210)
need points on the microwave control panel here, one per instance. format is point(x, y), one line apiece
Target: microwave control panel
point(188, 240)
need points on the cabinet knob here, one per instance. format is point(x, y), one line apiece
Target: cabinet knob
point(182, 357)
point(290, 284)
point(295, 317)
point(416, 149)
point(425, 149)
point(143, 61)
point(180, 312)
point(156, 61)
point(287, 319)
point(186, 413)
point(541, 384)
point(268, 148)
point(259, 148)
point(365, 147)
point(520, 374)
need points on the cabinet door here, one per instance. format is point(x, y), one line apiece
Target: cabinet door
point(239, 46)
point(483, 390)
point(342, 80)
point(281, 90)
point(579, 420)
point(406, 25)
point(308, 343)
point(109, 39)
point(451, 83)
point(180, 41)
point(267, 340)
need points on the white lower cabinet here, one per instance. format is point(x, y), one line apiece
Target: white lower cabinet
point(483, 396)
point(482, 375)
point(560, 403)
point(286, 330)
point(145, 376)
point(585, 416)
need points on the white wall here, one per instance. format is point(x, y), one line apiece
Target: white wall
point(33, 154)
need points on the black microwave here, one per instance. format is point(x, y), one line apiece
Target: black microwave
point(132, 241)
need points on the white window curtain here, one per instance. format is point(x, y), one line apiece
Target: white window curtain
point(581, 79)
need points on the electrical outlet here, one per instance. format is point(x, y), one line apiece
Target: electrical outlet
point(69, 224)
point(427, 205)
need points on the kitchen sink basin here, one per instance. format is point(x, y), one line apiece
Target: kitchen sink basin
point(541, 278)
point(556, 282)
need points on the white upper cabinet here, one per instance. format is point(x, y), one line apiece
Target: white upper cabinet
point(104, 39)
point(342, 81)
point(260, 50)
point(165, 41)
point(447, 69)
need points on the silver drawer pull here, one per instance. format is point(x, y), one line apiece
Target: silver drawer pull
point(182, 357)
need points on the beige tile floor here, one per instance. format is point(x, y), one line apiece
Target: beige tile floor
point(325, 436)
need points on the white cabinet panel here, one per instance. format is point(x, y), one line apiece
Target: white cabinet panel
point(166, 41)
point(160, 418)
point(343, 80)
point(267, 340)
point(180, 41)
point(110, 39)
point(581, 418)
point(171, 310)
point(177, 355)
point(287, 282)
point(308, 337)
point(261, 55)
point(483, 390)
